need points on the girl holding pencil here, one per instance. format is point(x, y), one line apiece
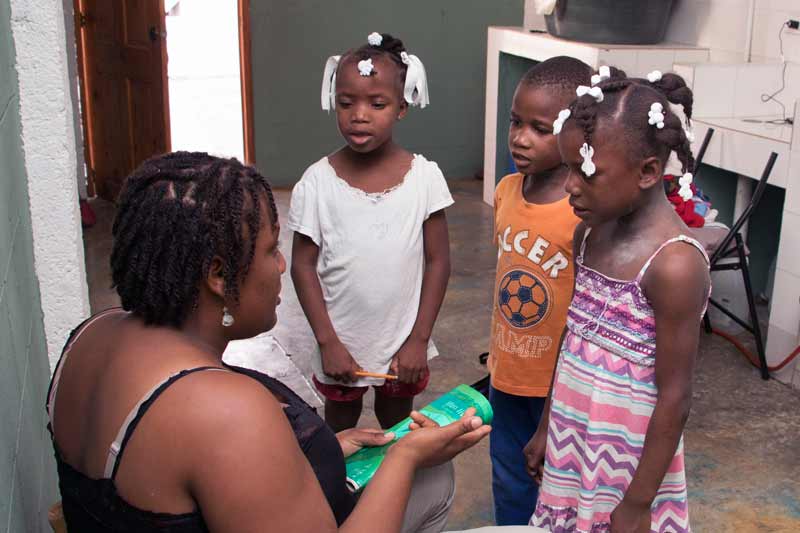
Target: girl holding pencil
point(371, 253)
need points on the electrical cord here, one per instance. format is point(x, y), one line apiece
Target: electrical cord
point(752, 358)
point(772, 97)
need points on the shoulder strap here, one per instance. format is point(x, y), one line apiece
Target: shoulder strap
point(583, 244)
point(53, 388)
point(117, 447)
point(679, 238)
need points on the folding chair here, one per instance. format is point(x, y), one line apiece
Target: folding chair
point(731, 254)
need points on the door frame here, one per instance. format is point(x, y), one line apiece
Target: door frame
point(245, 77)
point(82, 53)
point(246, 82)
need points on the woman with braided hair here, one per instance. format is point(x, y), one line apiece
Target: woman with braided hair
point(153, 433)
point(609, 449)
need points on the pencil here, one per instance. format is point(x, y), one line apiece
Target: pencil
point(364, 374)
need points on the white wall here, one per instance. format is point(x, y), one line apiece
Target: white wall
point(722, 25)
point(47, 111)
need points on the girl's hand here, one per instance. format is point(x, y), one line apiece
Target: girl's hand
point(352, 440)
point(630, 517)
point(535, 452)
point(430, 445)
point(337, 362)
point(410, 362)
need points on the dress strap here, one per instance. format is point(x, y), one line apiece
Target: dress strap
point(583, 245)
point(117, 448)
point(681, 238)
point(53, 388)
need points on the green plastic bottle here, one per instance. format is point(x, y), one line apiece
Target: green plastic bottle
point(445, 409)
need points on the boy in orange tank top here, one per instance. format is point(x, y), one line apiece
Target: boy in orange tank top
point(534, 224)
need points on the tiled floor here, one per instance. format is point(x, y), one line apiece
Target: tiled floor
point(743, 460)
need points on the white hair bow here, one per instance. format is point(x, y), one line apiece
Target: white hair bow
point(656, 115)
point(603, 73)
point(328, 95)
point(587, 167)
point(654, 76)
point(685, 182)
point(594, 92)
point(415, 91)
point(558, 123)
point(365, 67)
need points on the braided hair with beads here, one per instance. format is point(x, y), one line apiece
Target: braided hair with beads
point(390, 47)
point(176, 213)
point(627, 102)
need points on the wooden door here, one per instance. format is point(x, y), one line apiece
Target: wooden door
point(123, 63)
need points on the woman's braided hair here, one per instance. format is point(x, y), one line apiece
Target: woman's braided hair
point(627, 102)
point(175, 213)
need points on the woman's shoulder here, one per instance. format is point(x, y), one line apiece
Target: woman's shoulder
point(225, 397)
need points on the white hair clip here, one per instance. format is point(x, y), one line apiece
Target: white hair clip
point(603, 73)
point(594, 92)
point(365, 67)
point(415, 91)
point(654, 76)
point(328, 95)
point(685, 190)
point(375, 39)
point(587, 167)
point(656, 115)
point(558, 123)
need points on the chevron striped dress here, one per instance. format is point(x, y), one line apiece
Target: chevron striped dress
point(602, 401)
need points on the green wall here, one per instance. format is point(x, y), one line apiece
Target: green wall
point(27, 469)
point(292, 39)
point(511, 68)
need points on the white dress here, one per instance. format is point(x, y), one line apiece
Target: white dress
point(371, 256)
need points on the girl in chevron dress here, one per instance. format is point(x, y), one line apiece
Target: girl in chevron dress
point(609, 449)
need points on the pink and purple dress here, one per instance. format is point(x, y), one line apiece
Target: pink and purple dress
point(603, 397)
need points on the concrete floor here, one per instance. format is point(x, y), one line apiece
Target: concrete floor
point(742, 440)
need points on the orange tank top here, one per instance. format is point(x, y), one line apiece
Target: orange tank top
point(533, 288)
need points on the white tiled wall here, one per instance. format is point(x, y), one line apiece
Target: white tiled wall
point(722, 26)
point(738, 88)
point(638, 62)
point(716, 24)
point(769, 16)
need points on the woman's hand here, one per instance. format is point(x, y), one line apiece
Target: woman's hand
point(352, 440)
point(410, 362)
point(534, 453)
point(630, 517)
point(430, 445)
